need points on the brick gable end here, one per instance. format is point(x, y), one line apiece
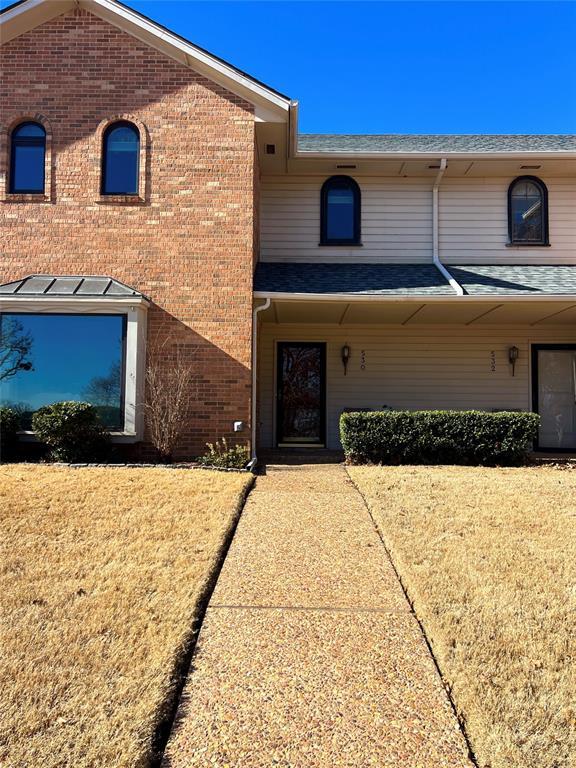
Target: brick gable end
point(188, 243)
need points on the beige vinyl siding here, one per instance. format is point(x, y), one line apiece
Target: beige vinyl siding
point(397, 221)
point(474, 223)
point(409, 367)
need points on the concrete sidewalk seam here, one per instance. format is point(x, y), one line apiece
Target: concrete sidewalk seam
point(320, 609)
point(309, 655)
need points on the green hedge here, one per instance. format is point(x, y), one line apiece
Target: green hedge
point(72, 430)
point(438, 437)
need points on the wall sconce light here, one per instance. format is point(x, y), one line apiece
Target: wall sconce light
point(513, 353)
point(345, 354)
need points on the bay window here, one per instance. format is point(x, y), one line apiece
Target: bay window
point(67, 345)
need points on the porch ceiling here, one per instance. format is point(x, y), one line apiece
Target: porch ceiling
point(391, 312)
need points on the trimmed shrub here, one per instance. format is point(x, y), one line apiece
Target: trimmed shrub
point(438, 437)
point(224, 457)
point(9, 426)
point(72, 430)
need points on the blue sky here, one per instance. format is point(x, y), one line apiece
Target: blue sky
point(94, 344)
point(398, 67)
point(395, 67)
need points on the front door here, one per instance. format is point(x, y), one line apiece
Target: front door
point(554, 393)
point(301, 394)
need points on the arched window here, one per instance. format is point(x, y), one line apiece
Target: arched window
point(27, 159)
point(528, 211)
point(340, 212)
point(121, 159)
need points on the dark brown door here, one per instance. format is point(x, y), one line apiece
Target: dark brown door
point(301, 393)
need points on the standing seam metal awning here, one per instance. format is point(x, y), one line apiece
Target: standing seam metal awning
point(69, 286)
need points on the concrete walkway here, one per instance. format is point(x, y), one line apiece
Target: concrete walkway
point(309, 655)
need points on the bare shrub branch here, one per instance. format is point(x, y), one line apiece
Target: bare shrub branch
point(170, 392)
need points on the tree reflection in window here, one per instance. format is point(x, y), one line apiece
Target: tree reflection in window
point(301, 393)
point(70, 357)
point(528, 211)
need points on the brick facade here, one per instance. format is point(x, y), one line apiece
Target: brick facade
point(188, 243)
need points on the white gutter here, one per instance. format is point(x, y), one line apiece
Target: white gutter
point(254, 414)
point(436, 232)
point(531, 154)
point(494, 298)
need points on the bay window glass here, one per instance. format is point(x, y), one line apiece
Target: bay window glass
point(70, 357)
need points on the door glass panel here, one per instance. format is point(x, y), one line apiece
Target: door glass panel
point(557, 398)
point(300, 393)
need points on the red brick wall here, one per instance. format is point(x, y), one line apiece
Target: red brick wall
point(189, 245)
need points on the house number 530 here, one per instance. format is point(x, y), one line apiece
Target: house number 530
point(493, 361)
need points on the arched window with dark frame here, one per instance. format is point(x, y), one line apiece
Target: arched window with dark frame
point(340, 213)
point(528, 211)
point(27, 159)
point(121, 159)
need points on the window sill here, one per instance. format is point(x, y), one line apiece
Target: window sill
point(340, 245)
point(528, 245)
point(22, 197)
point(120, 200)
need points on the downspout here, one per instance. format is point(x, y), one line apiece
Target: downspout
point(436, 231)
point(253, 417)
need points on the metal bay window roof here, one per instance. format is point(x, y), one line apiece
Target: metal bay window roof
point(69, 286)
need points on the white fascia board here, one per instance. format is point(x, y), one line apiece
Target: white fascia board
point(270, 105)
point(71, 304)
point(22, 18)
point(535, 155)
point(427, 298)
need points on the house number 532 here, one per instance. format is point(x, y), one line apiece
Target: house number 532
point(493, 361)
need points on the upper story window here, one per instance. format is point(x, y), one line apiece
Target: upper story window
point(27, 158)
point(121, 159)
point(340, 212)
point(528, 211)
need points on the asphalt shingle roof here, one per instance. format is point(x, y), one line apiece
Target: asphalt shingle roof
point(513, 279)
point(49, 286)
point(363, 279)
point(388, 280)
point(406, 143)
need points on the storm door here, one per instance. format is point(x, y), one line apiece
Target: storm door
point(301, 394)
point(554, 394)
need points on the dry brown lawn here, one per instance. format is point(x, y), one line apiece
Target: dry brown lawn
point(101, 572)
point(488, 557)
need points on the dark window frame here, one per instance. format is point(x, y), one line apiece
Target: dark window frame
point(124, 317)
point(545, 239)
point(105, 135)
point(357, 198)
point(23, 141)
